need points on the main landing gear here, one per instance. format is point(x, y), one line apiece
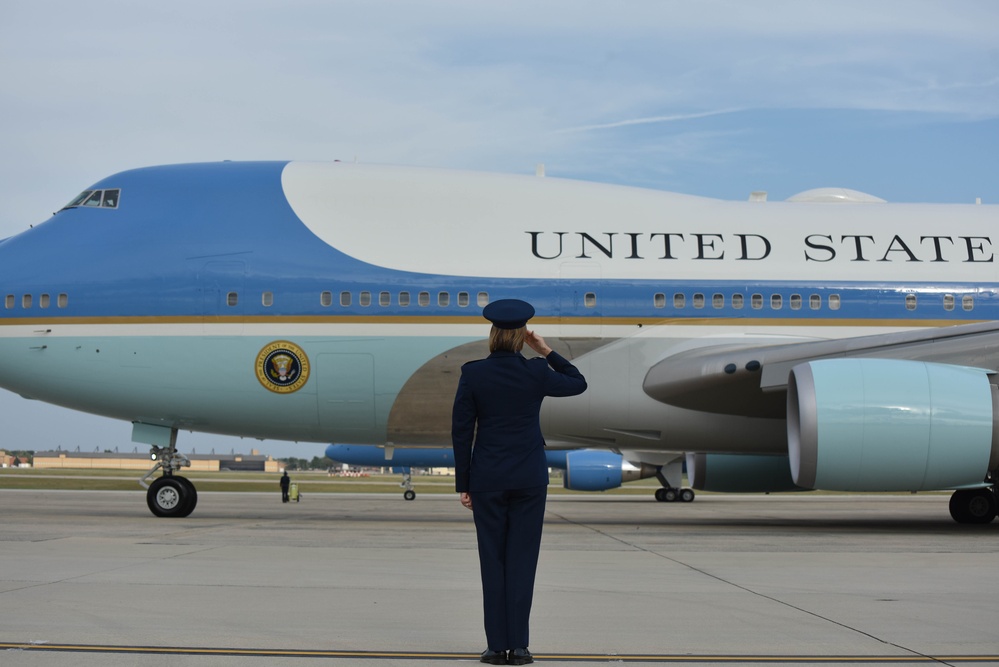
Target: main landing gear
point(974, 505)
point(670, 493)
point(407, 484)
point(169, 495)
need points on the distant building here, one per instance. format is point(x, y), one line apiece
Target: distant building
point(253, 462)
point(9, 460)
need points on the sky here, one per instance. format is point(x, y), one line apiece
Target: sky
point(714, 98)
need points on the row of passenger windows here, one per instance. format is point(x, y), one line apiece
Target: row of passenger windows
point(795, 301)
point(463, 299)
point(659, 300)
point(28, 300)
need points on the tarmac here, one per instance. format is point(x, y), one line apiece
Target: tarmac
point(92, 578)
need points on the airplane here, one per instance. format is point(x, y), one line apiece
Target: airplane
point(831, 341)
point(583, 470)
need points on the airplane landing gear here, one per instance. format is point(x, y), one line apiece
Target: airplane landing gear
point(974, 505)
point(407, 484)
point(669, 494)
point(169, 495)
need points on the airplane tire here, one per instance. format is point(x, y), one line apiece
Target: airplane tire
point(687, 495)
point(409, 495)
point(192, 496)
point(975, 506)
point(168, 497)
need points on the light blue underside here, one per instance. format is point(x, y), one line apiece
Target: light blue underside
point(210, 382)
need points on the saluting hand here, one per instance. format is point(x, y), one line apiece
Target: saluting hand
point(537, 343)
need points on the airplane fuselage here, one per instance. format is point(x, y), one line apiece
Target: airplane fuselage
point(177, 305)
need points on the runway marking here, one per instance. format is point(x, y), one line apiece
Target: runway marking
point(757, 659)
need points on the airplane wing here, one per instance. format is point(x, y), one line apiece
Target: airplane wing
point(752, 380)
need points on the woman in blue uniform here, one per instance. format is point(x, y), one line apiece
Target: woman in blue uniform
point(502, 473)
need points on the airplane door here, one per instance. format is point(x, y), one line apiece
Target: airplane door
point(222, 298)
point(346, 394)
point(579, 300)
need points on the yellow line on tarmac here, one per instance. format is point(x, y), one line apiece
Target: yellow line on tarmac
point(554, 657)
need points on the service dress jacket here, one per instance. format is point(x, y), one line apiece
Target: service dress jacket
point(495, 423)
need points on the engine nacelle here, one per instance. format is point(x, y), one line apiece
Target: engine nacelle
point(592, 470)
point(890, 425)
point(740, 473)
point(596, 470)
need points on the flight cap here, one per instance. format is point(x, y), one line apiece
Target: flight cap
point(508, 313)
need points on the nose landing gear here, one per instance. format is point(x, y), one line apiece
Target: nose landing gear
point(169, 495)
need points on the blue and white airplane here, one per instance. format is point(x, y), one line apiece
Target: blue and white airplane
point(832, 341)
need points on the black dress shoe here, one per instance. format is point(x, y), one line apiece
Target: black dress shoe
point(491, 657)
point(520, 656)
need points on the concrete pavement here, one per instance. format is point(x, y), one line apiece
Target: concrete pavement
point(92, 578)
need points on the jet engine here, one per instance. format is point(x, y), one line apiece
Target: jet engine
point(740, 473)
point(890, 425)
point(594, 470)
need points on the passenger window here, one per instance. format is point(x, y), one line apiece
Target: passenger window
point(404, 299)
point(231, 299)
point(698, 300)
point(26, 301)
point(679, 300)
point(659, 300)
point(776, 302)
point(267, 299)
point(738, 301)
point(62, 300)
point(43, 301)
point(968, 302)
point(482, 299)
point(364, 299)
point(344, 299)
point(326, 299)
point(590, 300)
point(443, 299)
point(384, 299)
point(717, 300)
point(814, 301)
point(10, 301)
point(756, 301)
point(795, 302)
point(948, 302)
point(423, 298)
point(834, 302)
point(463, 300)
point(110, 199)
point(910, 301)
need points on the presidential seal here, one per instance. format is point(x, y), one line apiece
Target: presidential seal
point(282, 367)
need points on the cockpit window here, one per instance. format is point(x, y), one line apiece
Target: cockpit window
point(110, 199)
point(96, 199)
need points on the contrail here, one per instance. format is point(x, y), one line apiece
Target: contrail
point(650, 120)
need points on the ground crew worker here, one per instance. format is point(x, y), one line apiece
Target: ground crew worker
point(285, 483)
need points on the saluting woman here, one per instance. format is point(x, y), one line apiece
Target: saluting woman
point(501, 469)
